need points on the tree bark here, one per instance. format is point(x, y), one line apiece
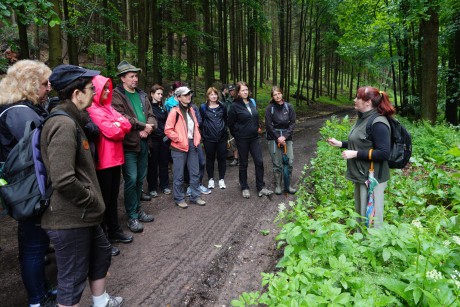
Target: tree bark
point(22, 30)
point(55, 43)
point(453, 85)
point(429, 31)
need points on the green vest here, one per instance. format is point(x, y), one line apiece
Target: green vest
point(358, 170)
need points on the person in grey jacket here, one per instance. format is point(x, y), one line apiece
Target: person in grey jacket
point(76, 209)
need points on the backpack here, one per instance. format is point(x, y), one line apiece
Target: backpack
point(27, 191)
point(401, 142)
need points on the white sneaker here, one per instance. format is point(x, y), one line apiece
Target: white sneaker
point(222, 184)
point(211, 183)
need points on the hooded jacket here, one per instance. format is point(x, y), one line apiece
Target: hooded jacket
point(112, 126)
point(176, 128)
point(242, 123)
point(121, 103)
point(77, 200)
point(279, 119)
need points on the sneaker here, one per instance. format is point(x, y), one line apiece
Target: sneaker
point(135, 226)
point(235, 162)
point(246, 193)
point(153, 193)
point(222, 184)
point(145, 197)
point(265, 192)
point(167, 191)
point(144, 217)
point(204, 190)
point(120, 237)
point(114, 301)
point(182, 204)
point(198, 202)
point(189, 192)
point(211, 183)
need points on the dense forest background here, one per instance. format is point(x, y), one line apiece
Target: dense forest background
point(311, 48)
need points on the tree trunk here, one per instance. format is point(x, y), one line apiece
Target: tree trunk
point(429, 32)
point(142, 40)
point(453, 77)
point(72, 47)
point(23, 40)
point(208, 45)
point(54, 36)
point(157, 42)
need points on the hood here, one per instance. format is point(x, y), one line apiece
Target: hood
point(99, 82)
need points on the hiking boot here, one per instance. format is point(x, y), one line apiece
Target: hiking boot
point(182, 204)
point(153, 194)
point(222, 184)
point(246, 193)
point(115, 251)
point(198, 202)
point(135, 226)
point(204, 190)
point(265, 192)
point(145, 197)
point(211, 183)
point(235, 162)
point(120, 237)
point(144, 217)
point(278, 189)
point(167, 191)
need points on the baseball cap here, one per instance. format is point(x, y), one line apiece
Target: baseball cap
point(65, 74)
point(231, 87)
point(183, 90)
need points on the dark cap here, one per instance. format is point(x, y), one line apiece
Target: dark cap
point(65, 74)
point(124, 67)
point(231, 87)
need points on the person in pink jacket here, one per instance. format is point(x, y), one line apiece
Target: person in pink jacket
point(182, 129)
point(109, 158)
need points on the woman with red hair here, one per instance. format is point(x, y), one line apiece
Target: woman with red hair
point(362, 149)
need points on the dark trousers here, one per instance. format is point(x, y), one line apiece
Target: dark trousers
point(33, 243)
point(246, 146)
point(109, 181)
point(212, 149)
point(81, 253)
point(158, 165)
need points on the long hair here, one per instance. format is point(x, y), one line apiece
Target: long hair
point(379, 100)
point(23, 81)
point(209, 91)
point(154, 89)
point(272, 92)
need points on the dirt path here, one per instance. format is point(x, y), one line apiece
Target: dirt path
point(201, 256)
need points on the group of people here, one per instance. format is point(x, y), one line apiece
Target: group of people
point(123, 130)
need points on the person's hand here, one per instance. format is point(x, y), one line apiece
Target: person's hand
point(117, 124)
point(349, 154)
point(148, 128)
point(143, 134)
point(282, 140)
point(334, 142)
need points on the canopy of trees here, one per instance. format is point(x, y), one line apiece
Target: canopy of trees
point(309, 48)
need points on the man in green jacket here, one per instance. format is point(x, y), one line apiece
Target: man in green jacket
point(134, 104)
point(76, 209)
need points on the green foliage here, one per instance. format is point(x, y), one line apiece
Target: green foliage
point(38, 12)
point(331, 260)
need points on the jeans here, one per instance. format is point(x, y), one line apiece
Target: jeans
point(134, 172)
point(180, 159)
point(33, 243)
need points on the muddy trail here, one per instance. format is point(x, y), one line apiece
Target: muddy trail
point(201, 256)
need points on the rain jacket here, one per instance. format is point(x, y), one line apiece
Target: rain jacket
point(121, 103)
point(176, 128)
point(214, 123)
point(243, 124)
point(161, 115)
point(109, 144)
point(279, 119)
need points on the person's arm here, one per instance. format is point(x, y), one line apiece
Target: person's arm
point(269, 123)
point(170, 126)
point(109, 127)
point(119, 105)
point(292, 118)
point(381, 141)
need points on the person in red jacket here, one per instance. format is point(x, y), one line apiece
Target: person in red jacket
point(110, 157)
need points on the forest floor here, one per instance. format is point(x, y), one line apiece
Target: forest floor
point(202, 256)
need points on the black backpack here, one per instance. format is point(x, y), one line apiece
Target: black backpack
point(401, 142)
point(27, 191)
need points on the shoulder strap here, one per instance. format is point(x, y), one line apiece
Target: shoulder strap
point(253, 102)
point(369, 125)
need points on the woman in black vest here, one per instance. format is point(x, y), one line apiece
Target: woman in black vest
point(361, 152)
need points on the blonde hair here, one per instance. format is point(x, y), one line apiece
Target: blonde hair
point(22, 82)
